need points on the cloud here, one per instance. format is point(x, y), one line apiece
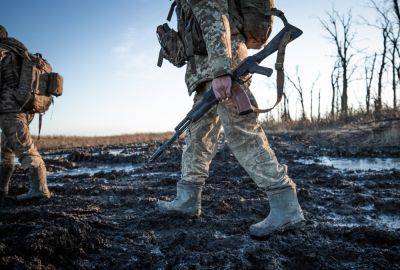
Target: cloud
point(126, 45)
point(133, 56)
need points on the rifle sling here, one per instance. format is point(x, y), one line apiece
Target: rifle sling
point(280, 76)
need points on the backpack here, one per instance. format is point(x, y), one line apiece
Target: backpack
point(37, 83)
point(252, 18)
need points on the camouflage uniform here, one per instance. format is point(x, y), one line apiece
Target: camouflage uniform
point(16, 139)
point(226, 49)
point(244, 134)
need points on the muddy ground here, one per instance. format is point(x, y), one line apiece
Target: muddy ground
point(103, 215)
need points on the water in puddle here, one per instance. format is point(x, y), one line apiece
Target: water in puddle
point(93, 170)
point(356, 164)
point(129, 168)
point(381, 221)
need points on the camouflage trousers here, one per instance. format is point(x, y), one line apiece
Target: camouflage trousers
point(16, 140)
point(244, 136)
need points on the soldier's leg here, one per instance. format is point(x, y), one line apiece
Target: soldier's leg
point(19, 139)
point(249, 144)
point(200, 147)
point(6, 167)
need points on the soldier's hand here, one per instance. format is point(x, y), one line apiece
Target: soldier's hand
point(222, 87)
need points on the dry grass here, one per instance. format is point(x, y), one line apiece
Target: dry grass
point(355, 117)
point(70, 142)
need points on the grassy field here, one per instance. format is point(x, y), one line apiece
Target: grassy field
point(69, 142)
point(355, 119)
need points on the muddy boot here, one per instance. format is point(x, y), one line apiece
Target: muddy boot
point(187, 201)
point(38, 186)
point(5, 178)
point(285, 212)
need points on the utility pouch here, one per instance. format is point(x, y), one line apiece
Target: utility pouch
point(55, 84)
point(172, 47)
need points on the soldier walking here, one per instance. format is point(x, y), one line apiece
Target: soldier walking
point(16, 139)
point(213, 48)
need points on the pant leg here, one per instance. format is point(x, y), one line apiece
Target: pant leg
point(249, 144)
point(7, 155)
point(18, 140)
point(201, 143)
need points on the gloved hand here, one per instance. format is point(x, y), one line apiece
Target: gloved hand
point(222, 87)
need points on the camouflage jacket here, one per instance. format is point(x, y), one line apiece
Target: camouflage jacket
point(10, 63)
point(225, 46)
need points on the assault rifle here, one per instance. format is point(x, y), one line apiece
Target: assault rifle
point(251, 65)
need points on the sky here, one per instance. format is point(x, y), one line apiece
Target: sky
point(107, 53)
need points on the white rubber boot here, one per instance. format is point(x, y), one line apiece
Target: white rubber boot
point(187, 201)
point(38, 186)
point(285, 213)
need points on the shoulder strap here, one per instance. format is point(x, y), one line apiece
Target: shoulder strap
point(171, 11)
point(280, 76)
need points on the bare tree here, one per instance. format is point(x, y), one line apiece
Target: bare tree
point(369, 76)
point(337, 101)
point(286, 112)
point(319, 105)
point(340, 33)
point(390, 52)
point(395, 70)
point(311, 104)
point(378, 101)
point(311, 96)
point(394, 36)
point(396, 10)
point(299, 88)
point(335, 85)
point(383, 24)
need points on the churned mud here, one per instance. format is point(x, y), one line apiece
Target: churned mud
point(103, 215)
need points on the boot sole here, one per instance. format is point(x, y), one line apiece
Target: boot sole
point(284, 228)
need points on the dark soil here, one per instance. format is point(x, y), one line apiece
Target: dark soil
point(108, 220)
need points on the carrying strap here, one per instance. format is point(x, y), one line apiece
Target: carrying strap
point(160, 58)
point(15, 50)
point(171, 11)
point(40, 125)
point(280, 76)
point(278, 13)
point(189, 45)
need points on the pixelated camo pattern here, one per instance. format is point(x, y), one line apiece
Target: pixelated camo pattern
point(225, 52)
point(16, 140)
point(244, 136)
point(9, 79)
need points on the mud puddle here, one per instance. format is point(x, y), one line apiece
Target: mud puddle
point(90, 171)
point(355, 164)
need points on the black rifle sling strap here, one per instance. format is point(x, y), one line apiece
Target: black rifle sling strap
point(160, 58)
point(280, 76)
point(189, 46)
point(171, 11)
point(40, 125)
